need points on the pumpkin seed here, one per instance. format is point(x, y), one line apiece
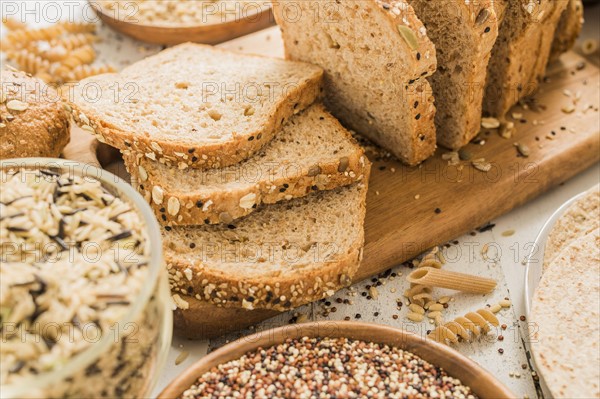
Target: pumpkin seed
point(409, 36)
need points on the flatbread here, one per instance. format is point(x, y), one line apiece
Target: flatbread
point(566, 313)
point(581, 218)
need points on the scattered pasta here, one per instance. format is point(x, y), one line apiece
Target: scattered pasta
point(84, 71)
point(434, 277)
point(27, 61)
point(58, 54)
point(418, 293)
point(470, 326)
point(13, 24)
point(73, 41)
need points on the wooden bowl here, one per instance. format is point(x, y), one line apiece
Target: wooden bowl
point(206, 33)
point(483, 384)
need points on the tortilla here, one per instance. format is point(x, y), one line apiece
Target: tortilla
point(581, 218)
point(566, 313)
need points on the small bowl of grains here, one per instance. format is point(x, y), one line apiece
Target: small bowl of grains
point(335, 359)
point(84, 299)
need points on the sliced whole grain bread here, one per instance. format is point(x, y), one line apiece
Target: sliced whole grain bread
point(565, 321)
point(568, 30)
point(581, 218)
point(279, 257)
point(464, 34)
point(195, 105)
point(311, 152)
point(376, 56)
point(521, 52)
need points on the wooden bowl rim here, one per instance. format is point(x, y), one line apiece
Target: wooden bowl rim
point(382, 334)
point(165, 28)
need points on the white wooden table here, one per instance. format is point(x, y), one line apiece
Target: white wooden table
point(503, 261)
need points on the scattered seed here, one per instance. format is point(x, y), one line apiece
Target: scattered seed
point(17, 105)
point(181, 357)
point(490, 123)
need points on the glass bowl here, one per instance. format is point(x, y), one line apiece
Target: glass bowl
point(125, 361)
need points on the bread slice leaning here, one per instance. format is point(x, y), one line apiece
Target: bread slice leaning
point(279, 257)
point(376, 56)
point(464, 34)
point(568, 29)
point(311, 152)
point(521, 52)
point(195, 105)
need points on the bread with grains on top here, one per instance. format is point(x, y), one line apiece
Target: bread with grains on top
point(565, 321)
point(33, 119)
point(581, 218)
point(194, 105)
point(568, 30)
point(376, 55)
point(279, 257)
point(311, 152)
point(464, 34)
point(521, 53)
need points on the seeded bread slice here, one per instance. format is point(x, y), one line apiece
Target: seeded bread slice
point(312, 152)
point(376, 56)
point(464, 35)
point(33, 121)
point(279, 257)
point(521, 52)
point(196, 105)
point(568, 30)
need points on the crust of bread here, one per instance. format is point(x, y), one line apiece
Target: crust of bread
point(420, 129)
point(203, 320)
point(206, 156)
point(42, 130)
point(226, 205)
point(568, 30)
point(277, 292)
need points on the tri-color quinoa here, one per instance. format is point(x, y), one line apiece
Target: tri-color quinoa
point(73, 259)
point(327, 368)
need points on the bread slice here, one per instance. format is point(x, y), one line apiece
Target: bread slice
point(312, 152)
point(568, 30)
point(376, 56)
point(279, 257)
point(196, 105)
point(581, 218)
point(521, 52)
point(565, 317)
point(33, 120)
point(463, 34)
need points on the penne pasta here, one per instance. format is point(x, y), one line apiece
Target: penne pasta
point(432, 277)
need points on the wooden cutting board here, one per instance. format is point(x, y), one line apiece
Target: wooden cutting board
point(412, 209)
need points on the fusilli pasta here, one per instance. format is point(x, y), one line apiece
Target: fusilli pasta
point(27, 61)
point(467, 327)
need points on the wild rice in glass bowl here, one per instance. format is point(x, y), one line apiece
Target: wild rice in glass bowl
point(84, 298)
